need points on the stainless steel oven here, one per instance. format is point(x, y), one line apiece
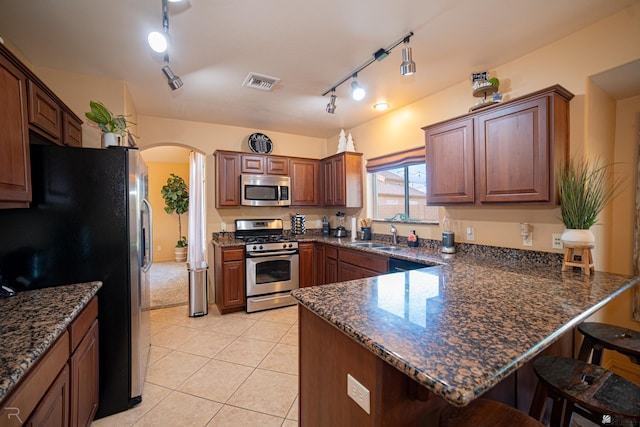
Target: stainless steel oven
point(272, 270)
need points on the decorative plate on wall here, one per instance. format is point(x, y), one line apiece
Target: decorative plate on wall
point(260, 143)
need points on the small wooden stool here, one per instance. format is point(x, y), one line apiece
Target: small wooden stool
point(586, 263)
point(484, 412)
point(575, 382)
point(598, 336)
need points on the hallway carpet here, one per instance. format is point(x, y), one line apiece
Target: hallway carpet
point(169, 282)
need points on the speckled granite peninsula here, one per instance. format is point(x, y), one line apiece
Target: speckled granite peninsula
point(458, 329)
point(30, 322)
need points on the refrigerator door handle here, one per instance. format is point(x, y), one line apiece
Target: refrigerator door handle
point(147, 266)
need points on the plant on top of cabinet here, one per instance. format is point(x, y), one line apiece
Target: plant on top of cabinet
point(110, 124)
point(176, 198)
point(584, 189)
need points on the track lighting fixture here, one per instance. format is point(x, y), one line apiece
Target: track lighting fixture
point(174, 81)
point(357, 92)
point(407, 67)
point(331, 106)
point(159, 42)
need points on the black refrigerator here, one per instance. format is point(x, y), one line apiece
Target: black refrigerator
point(90, 220)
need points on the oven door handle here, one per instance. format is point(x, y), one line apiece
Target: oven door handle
point(265, 254)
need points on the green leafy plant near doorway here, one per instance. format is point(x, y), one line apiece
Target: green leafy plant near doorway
point(176, 198)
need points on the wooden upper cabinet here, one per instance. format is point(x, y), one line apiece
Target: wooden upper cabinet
point(342, 178)
point(507, 153)
point(71, 131)
point(450, 162)
point(252, 164)
point(45, 115)
point(228, 179)
point(277, 165)
point(513, 155)
point(15, 175)
point(305, 182)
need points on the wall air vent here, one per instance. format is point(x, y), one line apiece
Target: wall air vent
point(260, 81)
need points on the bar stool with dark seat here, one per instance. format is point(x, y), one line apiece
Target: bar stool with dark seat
point(590, 386)
point(484, 412)
point(600, 336)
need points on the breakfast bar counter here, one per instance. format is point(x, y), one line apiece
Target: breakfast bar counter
point(455, 330)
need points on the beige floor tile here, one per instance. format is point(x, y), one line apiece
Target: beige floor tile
point(156, 353)
point(246, 351)
point(207, 344)
point(291, 337)
point(257, 315)
point(283, 315)
point(283, 358)
point(151, 395)
point(230, 416)
point(216, 380)
point(268, 392)
point(179, 409)
point(290, 423)
point(293, 412)
point(232, 325)
point(173, 369)
point(173, 336)
point(266, 331)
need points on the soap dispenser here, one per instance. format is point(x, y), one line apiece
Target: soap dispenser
point(412, 239)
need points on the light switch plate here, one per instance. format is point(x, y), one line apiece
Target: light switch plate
point(358, 393)
point(471, 234)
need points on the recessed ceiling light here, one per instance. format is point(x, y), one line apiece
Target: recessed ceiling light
point(381, 106)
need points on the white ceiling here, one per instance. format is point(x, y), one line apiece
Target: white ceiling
point(309, 45)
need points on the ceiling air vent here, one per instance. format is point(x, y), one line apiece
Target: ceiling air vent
point(260, 81)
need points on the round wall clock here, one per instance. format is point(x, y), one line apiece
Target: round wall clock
point(260, 143)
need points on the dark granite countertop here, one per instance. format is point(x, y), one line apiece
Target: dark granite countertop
point(30, 322)
point(461, 327)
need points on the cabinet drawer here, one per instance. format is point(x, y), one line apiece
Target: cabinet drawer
point(82, 323)
point(368, 261)
point(330, 252)
point(232, 255)
point(45, 115)
point(71, 131)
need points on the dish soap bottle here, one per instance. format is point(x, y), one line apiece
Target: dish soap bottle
point(412, 239)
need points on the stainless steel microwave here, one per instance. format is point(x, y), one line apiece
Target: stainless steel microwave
point(265, 190)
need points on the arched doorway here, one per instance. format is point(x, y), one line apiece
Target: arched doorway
point(168, 278)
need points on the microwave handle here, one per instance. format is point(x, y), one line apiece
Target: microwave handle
point(279, 192)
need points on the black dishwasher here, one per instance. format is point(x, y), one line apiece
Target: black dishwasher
point(396, 265)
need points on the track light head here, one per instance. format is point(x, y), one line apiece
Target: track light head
point(357, 91)
point(158, 41)
point(331, 106)
point(173, 81)
point(407, 67)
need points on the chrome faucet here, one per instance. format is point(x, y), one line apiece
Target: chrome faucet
point(394, 233)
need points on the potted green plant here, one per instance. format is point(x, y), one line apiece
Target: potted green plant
point(110, 124)
point(584, 189)
point(176, 199)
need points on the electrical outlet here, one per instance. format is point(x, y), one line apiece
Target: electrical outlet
point(556, 241)
point(471, 234)
point(159, 248)
point(358, 393)
point(528, 241)
point(318, 223)
point(223, 226)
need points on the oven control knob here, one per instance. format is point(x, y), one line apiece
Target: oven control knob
point(290, 245)
point(284, 246)
point(260, 247)
point(254, 247)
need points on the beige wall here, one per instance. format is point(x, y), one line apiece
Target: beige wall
point(568, 62)
point(165, 226)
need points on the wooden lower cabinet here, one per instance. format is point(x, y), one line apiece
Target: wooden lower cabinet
point(318, 264)
point(353, 264)
point(53, 409)
point(305, 261)
point(62, 388)
point(229, 279)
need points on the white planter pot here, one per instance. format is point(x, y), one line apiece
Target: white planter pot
point(110, 139)
point(578, 237)
point(181, 254)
